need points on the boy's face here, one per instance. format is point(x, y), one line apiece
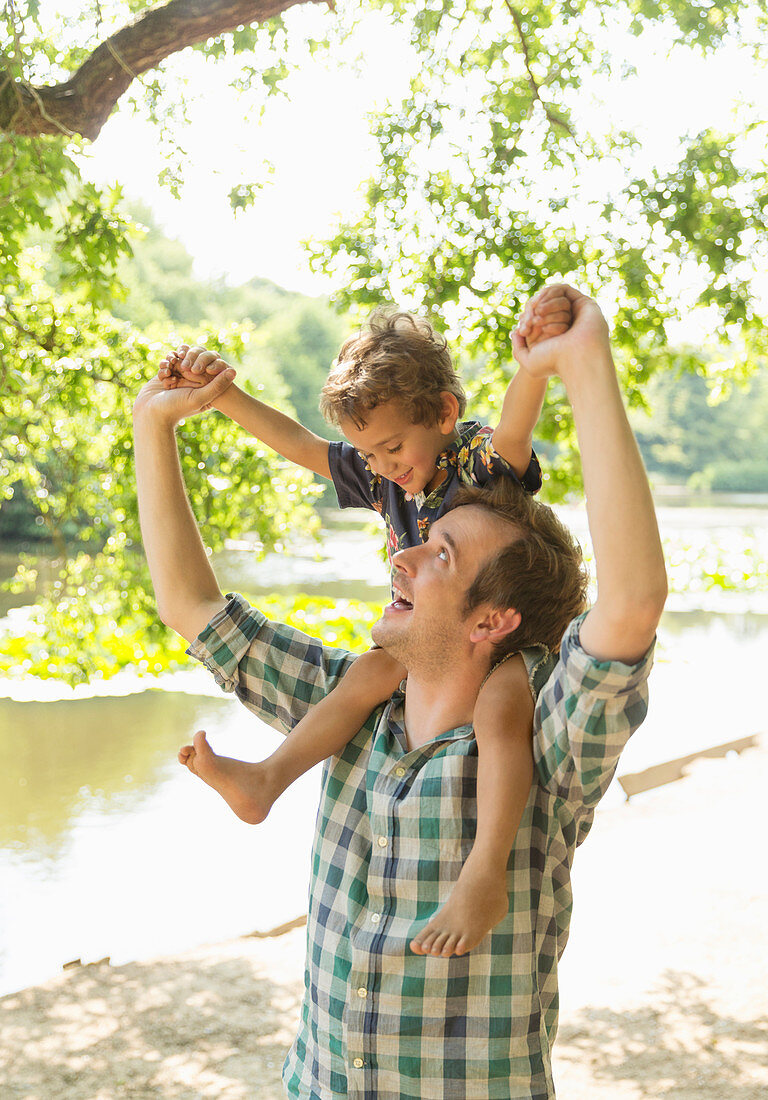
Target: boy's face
point(400, 451)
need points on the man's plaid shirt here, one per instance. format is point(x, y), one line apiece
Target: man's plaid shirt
point(393, 830)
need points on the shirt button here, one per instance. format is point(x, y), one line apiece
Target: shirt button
point(358, 1063)
point(375, 918)
point(382, 842)
point(399, 771)
point(362, 991)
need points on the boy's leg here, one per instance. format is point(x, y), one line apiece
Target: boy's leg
point(251, 789)
point(478, 899)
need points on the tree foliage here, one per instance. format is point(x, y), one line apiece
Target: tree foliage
point(487, 188)
point(493, 178)
point(292, 337)
point(72, 373)
point(711, 444)
point(70, 367)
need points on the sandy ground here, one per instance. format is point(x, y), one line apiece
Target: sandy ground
point(664, 984)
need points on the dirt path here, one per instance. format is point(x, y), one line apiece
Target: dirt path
point(664, 984)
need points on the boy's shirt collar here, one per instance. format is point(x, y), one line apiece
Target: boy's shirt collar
point(446, 460)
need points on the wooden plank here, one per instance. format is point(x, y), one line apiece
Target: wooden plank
point(671, 770)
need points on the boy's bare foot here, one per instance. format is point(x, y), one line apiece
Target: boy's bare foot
point(248, 789)
point(477, 903)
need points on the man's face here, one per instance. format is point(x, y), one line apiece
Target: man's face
point(425, 627)
point(397, 449)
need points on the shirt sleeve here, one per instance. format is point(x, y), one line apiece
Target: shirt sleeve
point(479, 462)
point(585, 714)
point(275, 671)
point(356, 485)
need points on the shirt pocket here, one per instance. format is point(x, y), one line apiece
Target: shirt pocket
point(437, 821)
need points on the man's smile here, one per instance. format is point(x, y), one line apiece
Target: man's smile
point(401, 601)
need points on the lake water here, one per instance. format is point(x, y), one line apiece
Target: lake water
point(109, 847)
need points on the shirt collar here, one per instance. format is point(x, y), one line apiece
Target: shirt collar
point(395, 720)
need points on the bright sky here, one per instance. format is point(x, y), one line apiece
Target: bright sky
point(318, 143)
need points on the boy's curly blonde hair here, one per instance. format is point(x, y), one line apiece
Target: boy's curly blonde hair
point(395, 357)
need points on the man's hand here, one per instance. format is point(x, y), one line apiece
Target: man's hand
point(198, 379)
point(586, 338)
point(169, 406)
point(551, 316)
point(190, 366)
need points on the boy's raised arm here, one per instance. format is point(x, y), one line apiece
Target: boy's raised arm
point(513, 438)
point(280, 432)
point(631, 578)
point(197, 365)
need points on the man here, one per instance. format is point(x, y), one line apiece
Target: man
point(397, 811)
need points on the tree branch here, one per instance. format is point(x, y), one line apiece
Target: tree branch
point(554, 119)
point(46, 345)
point(82, 104)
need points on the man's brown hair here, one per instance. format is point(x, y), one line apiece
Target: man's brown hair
point(541, 573)
point(395, 357)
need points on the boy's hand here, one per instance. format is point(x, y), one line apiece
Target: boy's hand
point(190, 366)
point(586, 340)
point(550, 315)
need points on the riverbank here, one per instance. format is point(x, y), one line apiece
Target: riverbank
point(663, 983)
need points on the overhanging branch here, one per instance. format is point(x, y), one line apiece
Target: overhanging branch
point(535, 87)
point(82, 104)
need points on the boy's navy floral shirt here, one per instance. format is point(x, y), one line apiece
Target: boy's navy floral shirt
point(471, 460)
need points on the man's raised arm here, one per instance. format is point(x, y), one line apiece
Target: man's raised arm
point(185, 586)
point(631, 578)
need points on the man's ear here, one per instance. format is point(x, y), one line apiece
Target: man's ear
point(495, 624)
point(449, 412)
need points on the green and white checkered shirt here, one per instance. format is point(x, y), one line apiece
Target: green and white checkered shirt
point(393, 831)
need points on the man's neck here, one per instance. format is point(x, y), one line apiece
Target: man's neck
point(439, 705)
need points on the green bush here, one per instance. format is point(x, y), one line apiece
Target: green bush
point(57, 642)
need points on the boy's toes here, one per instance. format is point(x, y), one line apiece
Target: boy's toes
point(449, 947)
point(438, 944)
point(200, 744)
point(424, 942)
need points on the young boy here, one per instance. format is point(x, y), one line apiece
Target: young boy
point(396, 397)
